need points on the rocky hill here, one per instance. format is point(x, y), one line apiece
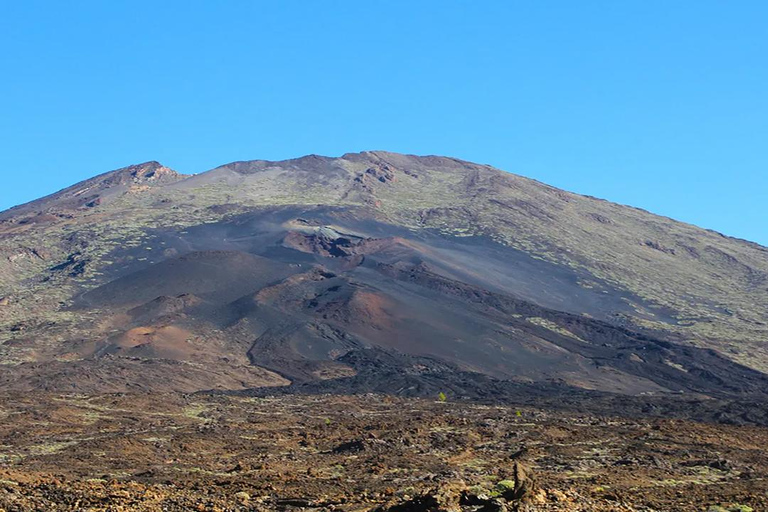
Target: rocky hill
point(372, 271)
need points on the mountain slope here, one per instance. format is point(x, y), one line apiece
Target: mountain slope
point(269, 272)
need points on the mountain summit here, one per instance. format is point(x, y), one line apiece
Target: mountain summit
point(373, 271)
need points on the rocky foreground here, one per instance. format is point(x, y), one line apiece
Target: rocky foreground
point(218, 453)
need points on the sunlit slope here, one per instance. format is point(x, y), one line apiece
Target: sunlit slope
point(232, 268)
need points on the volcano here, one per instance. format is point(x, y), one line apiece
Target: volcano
point(373, 271)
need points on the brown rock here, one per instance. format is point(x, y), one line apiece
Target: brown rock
point(243, 498)
point(556, 495)
point(445, 498)
point(525, 485)
point(449, 495)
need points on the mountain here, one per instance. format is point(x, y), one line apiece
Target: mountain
point(372, 271)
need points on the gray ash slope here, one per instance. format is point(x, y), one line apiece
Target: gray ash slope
point(371, 272)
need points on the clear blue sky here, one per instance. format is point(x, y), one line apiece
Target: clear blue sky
point(658, 104)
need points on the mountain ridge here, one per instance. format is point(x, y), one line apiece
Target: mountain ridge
point(184, 175)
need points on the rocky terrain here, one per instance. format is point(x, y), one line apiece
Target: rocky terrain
point(374, 332)
point(371, 452)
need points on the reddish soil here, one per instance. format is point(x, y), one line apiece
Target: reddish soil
point(213, 453)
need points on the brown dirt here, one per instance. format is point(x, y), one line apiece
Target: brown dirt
point(202, 452)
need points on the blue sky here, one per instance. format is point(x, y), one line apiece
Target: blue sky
point(658, 104)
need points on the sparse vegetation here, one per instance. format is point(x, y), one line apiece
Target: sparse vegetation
point(397, 450)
